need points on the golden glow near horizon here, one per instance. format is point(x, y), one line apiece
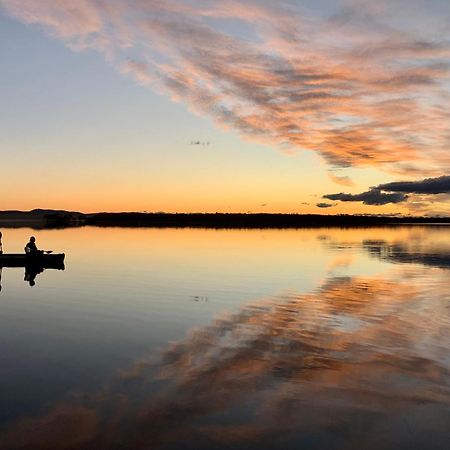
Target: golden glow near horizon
point(248, 106)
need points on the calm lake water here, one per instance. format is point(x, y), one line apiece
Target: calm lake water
point(228, 339)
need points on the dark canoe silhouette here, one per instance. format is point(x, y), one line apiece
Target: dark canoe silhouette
point(46, 261)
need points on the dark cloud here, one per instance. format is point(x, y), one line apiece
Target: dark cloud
point(395, 192)
point(439, 185)
point(324, 205)
point(371, 197)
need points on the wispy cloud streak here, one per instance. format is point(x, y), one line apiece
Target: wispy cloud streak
point(342, 180)
point(356, 84)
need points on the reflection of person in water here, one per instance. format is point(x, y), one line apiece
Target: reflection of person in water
point(1, 251)
point(31, 272)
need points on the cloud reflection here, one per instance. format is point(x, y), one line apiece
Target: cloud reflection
point(332, 367)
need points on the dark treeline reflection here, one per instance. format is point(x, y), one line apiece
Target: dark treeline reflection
point(399, 252)
point(413, 250)
point(358, 363)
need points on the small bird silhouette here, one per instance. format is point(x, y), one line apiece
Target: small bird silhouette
point(202, 143)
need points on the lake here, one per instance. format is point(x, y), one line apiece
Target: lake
point(323, 338)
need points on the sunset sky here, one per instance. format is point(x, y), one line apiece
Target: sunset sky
point(325, 106)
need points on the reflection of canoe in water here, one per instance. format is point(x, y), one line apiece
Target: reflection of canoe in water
point(46, 261)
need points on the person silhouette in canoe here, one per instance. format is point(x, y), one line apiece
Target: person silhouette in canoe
point(31, 249)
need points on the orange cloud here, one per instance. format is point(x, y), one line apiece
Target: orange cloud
point(359, 86)
point(343, 181)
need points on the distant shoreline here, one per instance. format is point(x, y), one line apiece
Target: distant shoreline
point(61, 219)
point(263, 220)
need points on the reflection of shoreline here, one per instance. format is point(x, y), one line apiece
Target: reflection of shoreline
point(397, 252)
point(343, 365)
point(400, 253)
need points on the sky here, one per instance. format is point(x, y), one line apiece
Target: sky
point(331, 106)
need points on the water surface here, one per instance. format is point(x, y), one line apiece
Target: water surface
point(253, 339)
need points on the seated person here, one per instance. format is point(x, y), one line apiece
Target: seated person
point(31, 246)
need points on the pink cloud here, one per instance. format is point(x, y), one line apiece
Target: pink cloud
point(64, 18)
point(342, 180)
point(359, 86)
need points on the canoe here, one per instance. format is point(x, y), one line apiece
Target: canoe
point(46, 261)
